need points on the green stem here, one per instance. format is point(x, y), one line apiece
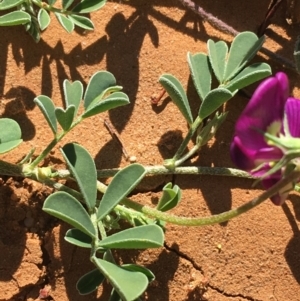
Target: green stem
point(48, 7)
point(194, 149)
point(186, 170)
point(218, 218)
point(52, 144)
point(46, 151)
point(187, 138)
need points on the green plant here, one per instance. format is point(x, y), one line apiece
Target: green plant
point(34, 14)
point(93, 218)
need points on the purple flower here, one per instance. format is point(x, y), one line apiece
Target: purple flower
point(266, 112)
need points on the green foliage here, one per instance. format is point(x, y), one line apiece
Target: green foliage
point(10, 135)
point(100, 96)
point(35, 14)
point(229, 68)
point(89, 282)
point(200, 72)
point(83, 168)
point(142, 237)
point(87, 225)
point(174, 88)
point(120, 186)
point(170, 197)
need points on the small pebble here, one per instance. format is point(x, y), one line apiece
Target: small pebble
point(132, 159)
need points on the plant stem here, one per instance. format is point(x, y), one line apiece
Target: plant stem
point(50, 7)
point(187, 139)
point(218, 218)
point(51, 145)
point(162, 170)
point(184, 170)
point(46, 151)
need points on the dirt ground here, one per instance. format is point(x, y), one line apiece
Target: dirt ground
point(254, 257)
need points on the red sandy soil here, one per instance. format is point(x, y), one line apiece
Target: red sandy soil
point(253, 257)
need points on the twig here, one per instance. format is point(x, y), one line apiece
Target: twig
point(156, 100)
point(115, 134)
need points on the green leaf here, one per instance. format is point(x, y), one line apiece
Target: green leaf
point(43, 19)
point(138, 268)
point(15, 18)
point(120, 186)
point(83, 168)
point(82, 22)
point(98, 84)
point(7, 4)
point(65, 117)
point(67, 208)
point(174, 88)
point(243, 48)
point(89, 282)
point(170, 198)
point(213, 100)
point(114, 100)
point(87, 6)
point(123, 280)
point(217, 57)
point(200, 72)
point(33, 28)
point(248, 76)
point(73, 93)
point(66, 3)
point(78, 238)
point(10, 135)
point(65, 22)
point(47, 107)
point(142, 237)
point(51, 2)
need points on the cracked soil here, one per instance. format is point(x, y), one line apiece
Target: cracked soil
point(254, 257)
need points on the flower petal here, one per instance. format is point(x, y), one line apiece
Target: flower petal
point(292, 111)
point(249, 147)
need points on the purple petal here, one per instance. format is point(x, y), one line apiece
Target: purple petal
point(292, 110)
point(240, 156)
point(265, 107)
